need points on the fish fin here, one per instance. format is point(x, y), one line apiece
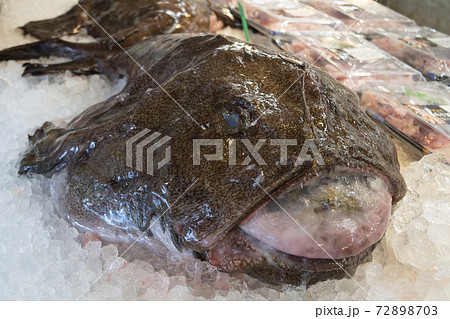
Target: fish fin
point(83, 66)
point(51, 148)
point(65, 24)
point(58, 48)
point(29, 51)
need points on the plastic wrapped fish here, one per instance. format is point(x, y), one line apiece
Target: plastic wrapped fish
point(276, 17)
point(349, 58)
point(425, 49)
point(419, 112)
point(186, 89)
point(361, 15)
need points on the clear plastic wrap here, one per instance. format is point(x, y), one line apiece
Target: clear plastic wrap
point(349, 58)
point(362, 14)
point(423, 48)
point(273, 17)
point(419, 112)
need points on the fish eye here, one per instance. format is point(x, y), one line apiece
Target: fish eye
point(231, 118)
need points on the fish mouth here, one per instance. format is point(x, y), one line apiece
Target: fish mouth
point(332, 220)
point(334, 216)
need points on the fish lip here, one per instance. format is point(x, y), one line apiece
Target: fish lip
point(309, 270)
point(287, 185)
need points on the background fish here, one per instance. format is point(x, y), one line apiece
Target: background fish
point(132, 19)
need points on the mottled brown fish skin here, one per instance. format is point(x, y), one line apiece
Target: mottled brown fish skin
point(208, 76)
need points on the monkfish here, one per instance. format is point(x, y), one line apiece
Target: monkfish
point(251, 160)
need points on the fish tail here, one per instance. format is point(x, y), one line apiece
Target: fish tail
point(54, 47)
point(26, 51)
point(83, 66)
point(35, 50)
point(65, 24)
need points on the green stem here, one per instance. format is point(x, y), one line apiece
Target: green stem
point(244, 22)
